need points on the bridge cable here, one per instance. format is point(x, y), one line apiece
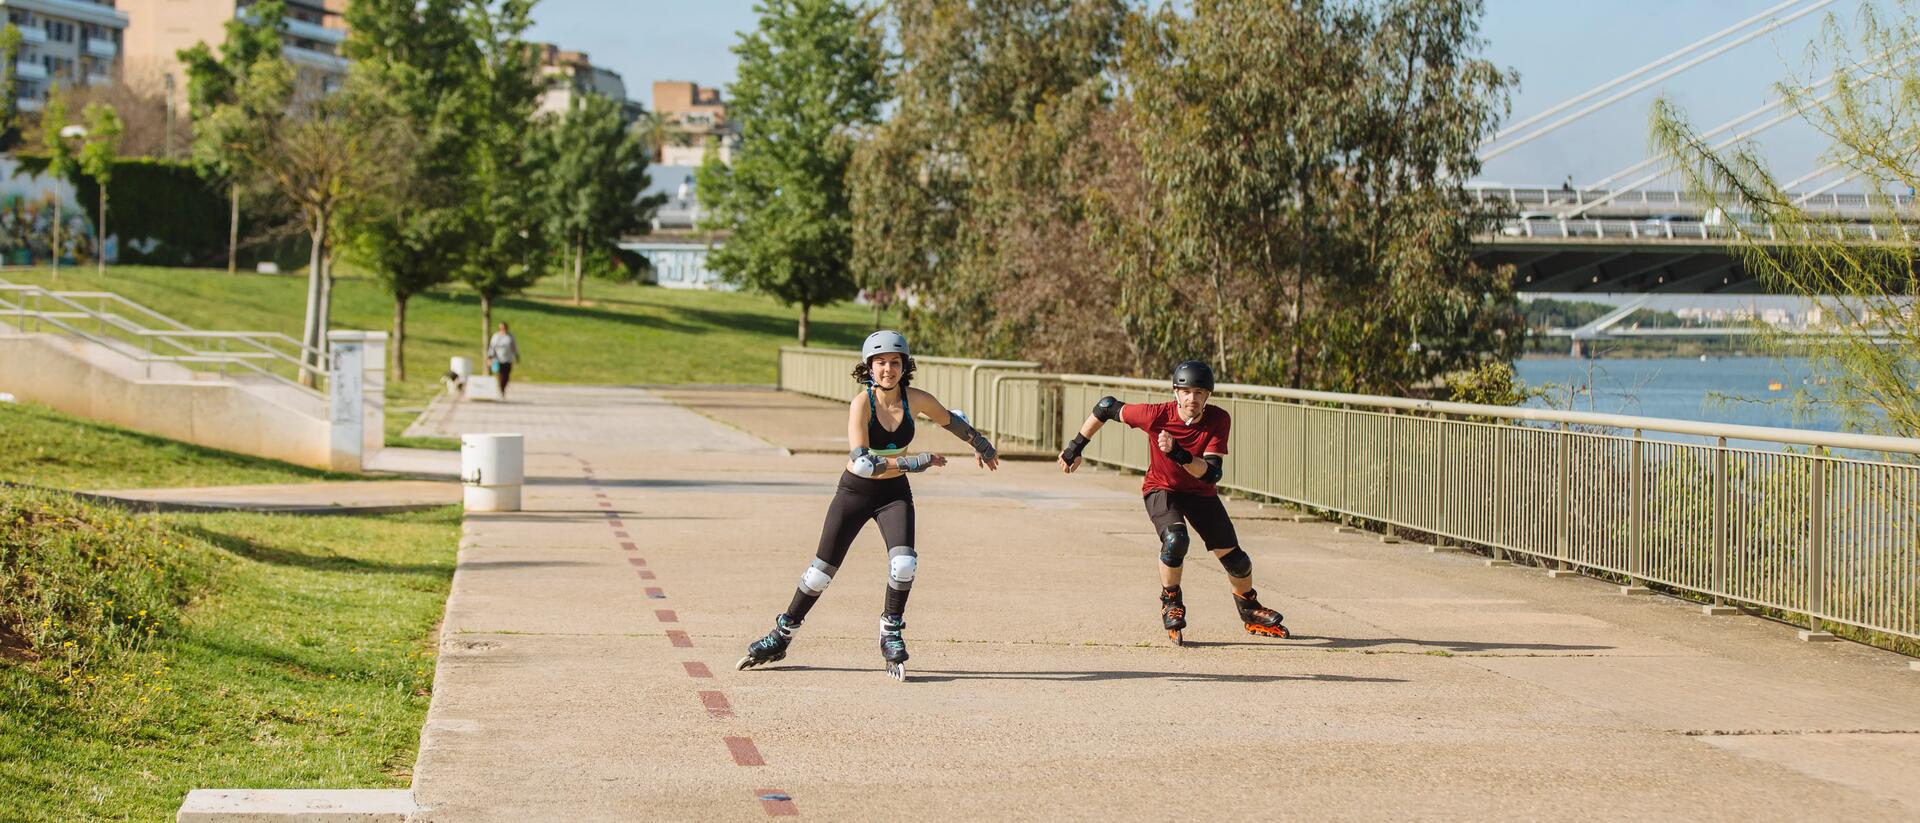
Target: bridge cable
point(1567, 104)
point(1653, 81)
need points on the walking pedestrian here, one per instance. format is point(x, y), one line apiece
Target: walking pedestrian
point(1185, 459)
point(502, 352)
point(873, 486)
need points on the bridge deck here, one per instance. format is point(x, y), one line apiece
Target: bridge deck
point(1419, 685)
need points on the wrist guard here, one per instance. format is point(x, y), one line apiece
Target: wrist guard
point(1073, 449)
point(914, 463)
point(963, 429)
point(1180, 455)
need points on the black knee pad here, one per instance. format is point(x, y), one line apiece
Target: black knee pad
point(1173, 546)
point(1237, 563)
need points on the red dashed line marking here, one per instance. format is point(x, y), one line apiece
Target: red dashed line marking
point(637, 561)
point(744, 753)
point(716, 704)
point(696, 669)
point(656, 593)
point(680, 640)
point(777, 803)
point(621, 534)
point(646, 574)
point(605, 505)
point(629, 545)
point(615, 522)
point(666, 616)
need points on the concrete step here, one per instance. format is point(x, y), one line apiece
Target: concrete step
point(297, 806)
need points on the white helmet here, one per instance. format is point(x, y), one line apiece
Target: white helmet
point(882, 342)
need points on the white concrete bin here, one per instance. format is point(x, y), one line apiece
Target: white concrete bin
point(462, 367)
point(492, 467)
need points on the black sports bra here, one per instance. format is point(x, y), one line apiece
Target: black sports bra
point(881, 441)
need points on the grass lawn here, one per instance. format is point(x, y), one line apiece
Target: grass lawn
point(623, 333)
point(216, 651)
point(43, 447)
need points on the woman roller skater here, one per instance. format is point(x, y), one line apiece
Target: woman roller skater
point(874, 487)
point(1189, 441)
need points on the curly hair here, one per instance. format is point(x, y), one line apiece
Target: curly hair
point(863, 374)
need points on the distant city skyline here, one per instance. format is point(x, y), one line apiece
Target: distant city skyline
point(1560, 50)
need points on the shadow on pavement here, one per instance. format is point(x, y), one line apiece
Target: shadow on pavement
point(1447, 645)
point(946, 676)
point(499, 565)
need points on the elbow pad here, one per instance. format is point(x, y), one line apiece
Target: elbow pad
point(866, 463)
point(1108, 409)
point(1214, 468)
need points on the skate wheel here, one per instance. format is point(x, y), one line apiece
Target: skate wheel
point(897, 671)
point(744, 664)
point(1179, 636)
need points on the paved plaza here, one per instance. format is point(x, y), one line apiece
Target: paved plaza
point(588, 650)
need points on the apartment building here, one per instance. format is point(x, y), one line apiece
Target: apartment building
point(65, 42)
point(157, 30)
point(699, 118)
point(571, 74)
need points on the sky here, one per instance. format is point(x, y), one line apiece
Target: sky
point(1560, 48)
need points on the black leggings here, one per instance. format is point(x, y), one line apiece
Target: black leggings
point(856, 501)
point(505, 372)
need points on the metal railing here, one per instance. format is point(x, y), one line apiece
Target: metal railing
point(1830, 537)
point(1547, 228)
point(960, 383)
point(1821, 524)
point(149, 337)
point(1850, 203)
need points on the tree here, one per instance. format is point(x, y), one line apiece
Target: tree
point(61, 163)
point(1860, 275)
point(596, 170)
point(503, 256)
point(317, 151)
point(414, 66)
point(97, 156)
point(973, 195)
point(810, 75)
point(252, 40)
point(10, 131)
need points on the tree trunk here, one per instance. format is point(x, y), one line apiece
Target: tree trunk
point(486, 322)
point(579, 254)
point(326, 296)
point(100, 237)
point(233, 229)
point(805, 309)
point(309, 355)
point(56, 234)
point(400, 338)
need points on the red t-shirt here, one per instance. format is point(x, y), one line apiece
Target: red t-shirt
point(1208, 435)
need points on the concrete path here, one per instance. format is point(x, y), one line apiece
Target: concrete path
point(587, 663)
point(358, 497)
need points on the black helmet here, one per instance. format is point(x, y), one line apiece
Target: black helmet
point(1193, 374)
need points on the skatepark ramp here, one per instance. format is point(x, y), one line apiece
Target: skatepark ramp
point(1822, 528)
point(101, 356)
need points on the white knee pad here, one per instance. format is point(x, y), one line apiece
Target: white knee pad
point(901, 563)
point(816, 578)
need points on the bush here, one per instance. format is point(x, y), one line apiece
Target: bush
point(80, 584)
point(165, 214)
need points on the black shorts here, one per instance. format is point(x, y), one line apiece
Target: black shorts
point(1205, 511)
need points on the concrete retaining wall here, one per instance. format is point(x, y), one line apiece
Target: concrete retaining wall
point(84, 379)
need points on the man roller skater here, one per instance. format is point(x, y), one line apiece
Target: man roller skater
point(1189, 449)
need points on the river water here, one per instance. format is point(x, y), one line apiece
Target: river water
point(1751, 391)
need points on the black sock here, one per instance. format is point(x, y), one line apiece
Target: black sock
point(896, 601)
